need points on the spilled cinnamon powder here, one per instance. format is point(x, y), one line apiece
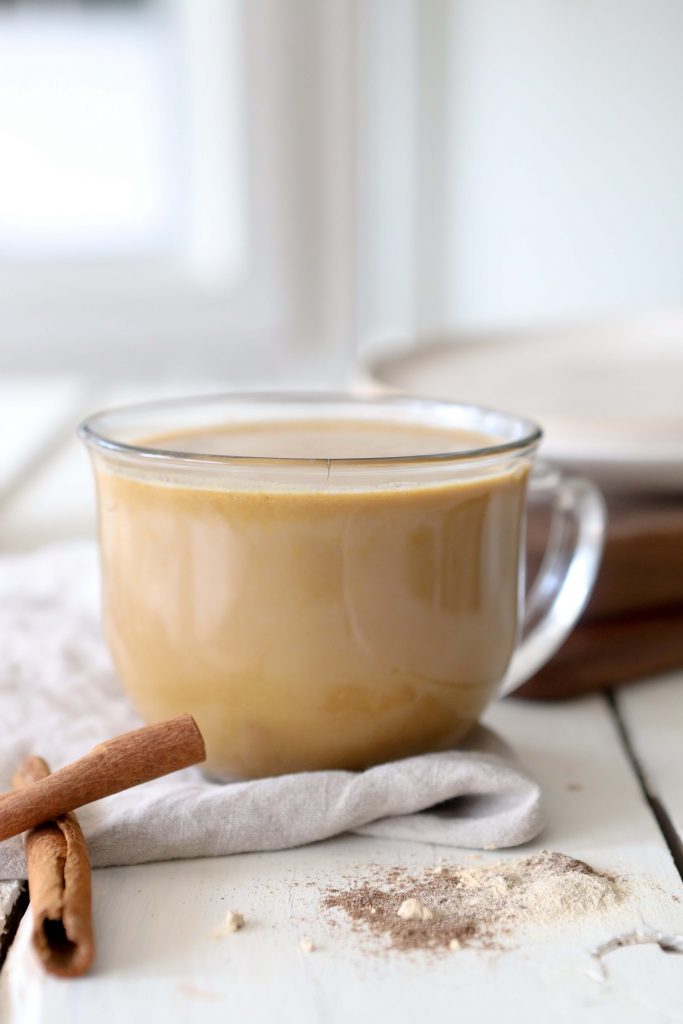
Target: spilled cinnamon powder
point(474, 906)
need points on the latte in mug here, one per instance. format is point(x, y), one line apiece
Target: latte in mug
point(315, 626)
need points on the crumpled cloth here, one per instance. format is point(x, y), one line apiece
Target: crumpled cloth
point(59, 696)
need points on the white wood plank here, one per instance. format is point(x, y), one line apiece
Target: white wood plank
point(35, 413)
point(57, 500)
point(56, 503)
point(158, 957)
point(652, 715)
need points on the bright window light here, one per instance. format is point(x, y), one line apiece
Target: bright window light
point(87, 161)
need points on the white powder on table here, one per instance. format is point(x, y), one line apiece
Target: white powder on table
point(454, 907)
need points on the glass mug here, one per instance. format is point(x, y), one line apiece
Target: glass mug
point(330, 613)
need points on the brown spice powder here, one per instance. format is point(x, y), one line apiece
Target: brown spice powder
point(474, 906)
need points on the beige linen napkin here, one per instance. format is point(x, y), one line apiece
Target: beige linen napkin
point(59, 696)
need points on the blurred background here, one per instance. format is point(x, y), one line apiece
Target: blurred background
point(477, 199)
point(263, 187)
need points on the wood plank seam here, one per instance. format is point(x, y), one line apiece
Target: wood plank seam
point(12, 922)
point(661, 815)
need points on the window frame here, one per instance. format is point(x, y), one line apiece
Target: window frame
point(294, 293)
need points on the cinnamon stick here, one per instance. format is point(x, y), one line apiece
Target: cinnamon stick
point(117, 764)
point(59, 886)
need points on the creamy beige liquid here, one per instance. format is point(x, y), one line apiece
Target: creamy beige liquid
point(312, 627)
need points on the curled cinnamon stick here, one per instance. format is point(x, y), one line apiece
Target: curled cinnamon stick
point(59, 886)
point(117, 764)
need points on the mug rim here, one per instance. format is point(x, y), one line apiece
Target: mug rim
point(91, 433)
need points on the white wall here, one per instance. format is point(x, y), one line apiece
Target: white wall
point(549, 161)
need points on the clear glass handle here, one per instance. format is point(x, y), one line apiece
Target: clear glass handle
point(568, 570)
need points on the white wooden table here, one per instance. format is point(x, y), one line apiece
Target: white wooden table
point(612, 773)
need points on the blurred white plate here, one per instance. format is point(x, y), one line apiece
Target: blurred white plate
point(610, 398)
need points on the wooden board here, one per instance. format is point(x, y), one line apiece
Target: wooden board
point(642, 564)
point(155, 924)
point(609, 653)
